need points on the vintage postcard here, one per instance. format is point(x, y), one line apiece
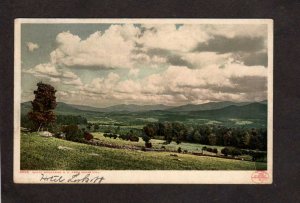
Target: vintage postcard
point(102, 101)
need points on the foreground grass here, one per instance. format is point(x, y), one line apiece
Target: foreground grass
point(40, 153)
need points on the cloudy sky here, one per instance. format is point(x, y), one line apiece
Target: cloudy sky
point(172, 64)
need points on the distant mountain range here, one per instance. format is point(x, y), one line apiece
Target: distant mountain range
point(250, 110)
point(250, 114)
point(61, 106)
point(207, 106)
point(123, 107)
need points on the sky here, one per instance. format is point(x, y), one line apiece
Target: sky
point(172, 64)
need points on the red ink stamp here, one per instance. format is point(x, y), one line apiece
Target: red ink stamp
point(260, 177)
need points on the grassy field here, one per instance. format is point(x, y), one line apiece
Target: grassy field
point(190, 147)
point(41, 153)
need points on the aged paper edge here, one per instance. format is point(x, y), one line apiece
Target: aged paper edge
point(142, 176)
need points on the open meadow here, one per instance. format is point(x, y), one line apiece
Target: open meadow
point(42, 153)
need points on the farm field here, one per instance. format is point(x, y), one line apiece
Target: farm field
point(157, 144)
point(42, 153)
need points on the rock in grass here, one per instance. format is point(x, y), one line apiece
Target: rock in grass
point(45, 134)
point(94, 154)
point(65, 148)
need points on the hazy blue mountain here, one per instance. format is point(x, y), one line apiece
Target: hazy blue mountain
point(87, 108)
point(207, 106)
point(73, 108)
point(252, 110)
point(136, 108)
point(123, 107)
point(208, 110)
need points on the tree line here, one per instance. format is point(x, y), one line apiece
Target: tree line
point(253, 138)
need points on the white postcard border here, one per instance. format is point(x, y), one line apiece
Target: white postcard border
point(143, 176)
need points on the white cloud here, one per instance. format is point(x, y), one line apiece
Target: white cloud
point(185, 77)
point(55, 80)
point(32, 46)
point(45, 69)
point(179, 85)
point(102, 85)
point(126, 46)
point(54, 75)
point(110, 49)
point(167, 36)
point(76, 82)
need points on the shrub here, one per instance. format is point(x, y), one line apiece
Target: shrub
point(246, 152)
point(148, 144)
point(235, 152)
point(134, 138)
point(146, 138)
point(124, 137)
point(209, 149)
point(88, 136)
point(225, 151)
point(121, 136)
point(72, 132)
point(259, 156)
point(179, 150)
point(204, 148)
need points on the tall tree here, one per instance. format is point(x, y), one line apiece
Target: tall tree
point(43, 105)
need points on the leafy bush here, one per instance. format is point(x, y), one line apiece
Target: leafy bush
point(235, 152)
point(146, 138)
point(215, 150)
point(225, 151)
point(231, 151)
point(148, 144)
point(245, 152)
point(88, 136)
point(110, 135)
point(124, 137)
point(179, 150)
point(209, 149)
point(134, 138)
point(73, 133)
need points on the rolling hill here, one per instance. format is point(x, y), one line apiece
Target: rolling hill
point(123, 107)
point(207, 106)
point(209, 110)
point(74, 108)
point(252, 110)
